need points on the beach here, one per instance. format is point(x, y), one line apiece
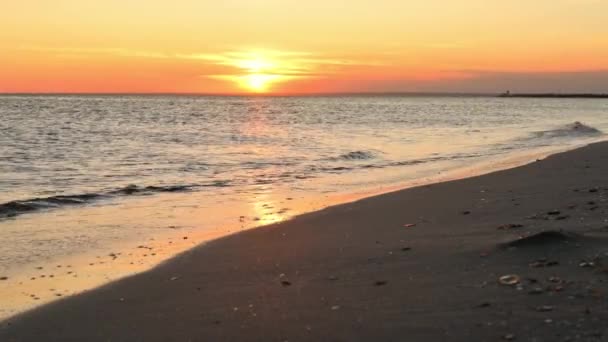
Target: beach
point(97, 188)
point(518, 254)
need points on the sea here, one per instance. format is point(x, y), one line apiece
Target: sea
point(94, 188)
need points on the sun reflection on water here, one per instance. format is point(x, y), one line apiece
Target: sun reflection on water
point(267, 210)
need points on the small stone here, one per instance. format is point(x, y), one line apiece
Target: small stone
point(509, 280)
point(544, 308)
point(380, 283)
point(538, 264)
point(335, 307)
point(484, 305)
point(174, 278)
point(555, 279)
point(510, 226)
point(3, 278)
point(554, 212)
point(286, 283)
point(406, 249)
point(536, 290)
point(509, 337)
point(466, 212)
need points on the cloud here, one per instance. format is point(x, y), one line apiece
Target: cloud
point(285, 63)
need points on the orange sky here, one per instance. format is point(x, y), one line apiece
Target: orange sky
point(313, 46)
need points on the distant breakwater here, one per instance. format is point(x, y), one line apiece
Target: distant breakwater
point(558, 96)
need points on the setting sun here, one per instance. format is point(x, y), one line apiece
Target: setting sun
point(258, 82)
point(258, 71)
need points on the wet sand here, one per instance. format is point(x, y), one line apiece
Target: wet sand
point(423, 264)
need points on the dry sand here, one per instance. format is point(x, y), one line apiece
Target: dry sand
point(421, 264)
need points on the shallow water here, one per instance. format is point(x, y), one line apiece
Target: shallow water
point(112, 185)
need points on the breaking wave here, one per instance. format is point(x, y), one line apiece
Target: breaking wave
point(355, 155)
point(18, 207)
point(574, 130)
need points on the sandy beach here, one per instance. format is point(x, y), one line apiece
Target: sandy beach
point(519, 254)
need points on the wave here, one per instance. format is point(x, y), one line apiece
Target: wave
point(18, 207)
point(354, 155)
point(409, 162)
point(576, 129)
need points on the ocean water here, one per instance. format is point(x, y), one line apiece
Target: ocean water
point(111, 185)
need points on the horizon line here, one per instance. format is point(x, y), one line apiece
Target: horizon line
point(326, 94)
point(244, 94)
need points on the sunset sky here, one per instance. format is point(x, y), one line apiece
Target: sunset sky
point(313, 46)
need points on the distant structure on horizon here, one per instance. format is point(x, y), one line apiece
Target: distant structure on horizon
point(555, 95)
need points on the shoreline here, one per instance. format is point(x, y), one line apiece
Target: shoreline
point(330, 268)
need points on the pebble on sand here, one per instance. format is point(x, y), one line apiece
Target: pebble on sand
point(510, 226)
point(509, 337)
point(509, 280)
point(536, 290)
point(544, 308)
